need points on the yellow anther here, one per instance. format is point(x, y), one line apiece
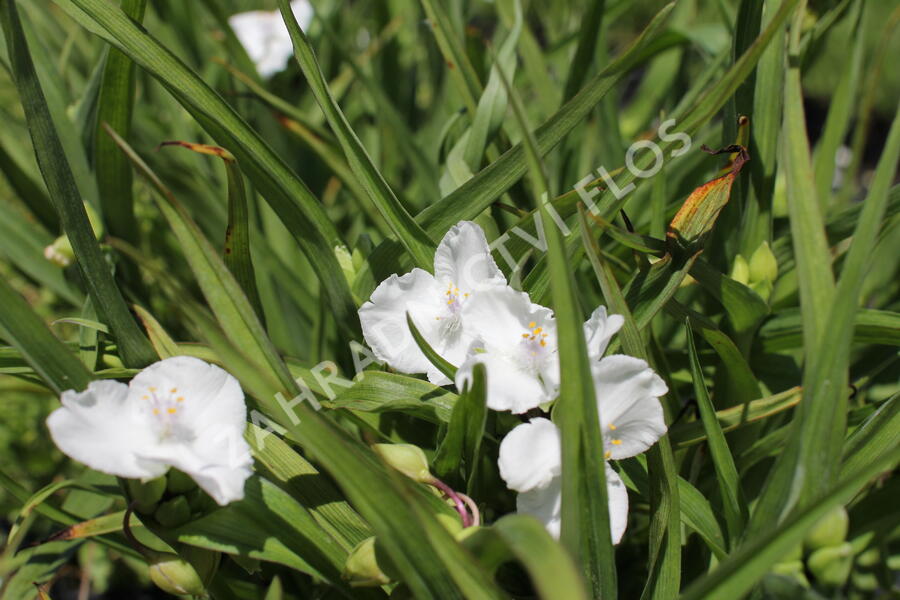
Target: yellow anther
point(173, 391)
point(532, 325)
point(179, 399)
point(151, 389)
point(145, 397)
point(466, 295)
point(155, 411)
point(608, 454)
point(543, 342)
point(612, 427)
point(172, 411)
point(537, 330)
point(524, 335)
point(617, 442)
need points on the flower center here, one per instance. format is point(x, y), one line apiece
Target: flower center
point(533, 349)
point(455, 298)
point(165, 406)
point(611, 442)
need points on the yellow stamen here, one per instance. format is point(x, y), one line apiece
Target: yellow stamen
point(543, 342)
point(537, 330)
point(172, 411)
point(532, 324)
point(155, 411)
point(151, 389)
point(173, 391)
point(608, 454)
point(179, 399)
point(612, 427)
point(616, 442)
point(145, 397)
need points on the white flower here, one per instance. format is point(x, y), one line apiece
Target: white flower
point(599, 329)
point(180, 412)
point(463, 270)
point(531, 463)
point(265, 36)
point(631, 416)
point(517, 345)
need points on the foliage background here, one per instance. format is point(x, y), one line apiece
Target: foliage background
point(401, 93)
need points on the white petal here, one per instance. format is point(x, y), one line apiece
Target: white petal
point(207, 396)
point(265, 36)
point(617, 495)
point(508, 386)
point(599, 330)
point(464, 259)
point(500, 316)
point(100, 428)
point(530, 455)
point(545, 504)
point(384, 324)
point(218, 460)
point(631, 415)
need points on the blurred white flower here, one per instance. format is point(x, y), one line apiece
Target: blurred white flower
point(180, 412)
point(265, 36)
point(463, 270)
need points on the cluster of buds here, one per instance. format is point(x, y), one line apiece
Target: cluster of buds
point(759, 273)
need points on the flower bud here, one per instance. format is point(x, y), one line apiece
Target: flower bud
point(831, 565)
point(763, 266)
point(869, 558)
point(792, 569)
point(864, 581)
point(829, 531)
point(345, 260)
point(178, 482)
point(60, 251)
point(175, 575)
point(174, 512)
point(362, 569)
point(451, 522)
point(406, 458)
point(740, 271)
point(146, 495)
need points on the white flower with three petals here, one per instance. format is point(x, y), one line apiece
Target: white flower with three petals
point(265, 37)
point(180, 412)
point(463, 270)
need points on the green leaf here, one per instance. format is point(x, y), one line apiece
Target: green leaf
point(411, 235)
point(459, 452)
point(585, 530)
point(295, 205)
point(49, 357)
point(114, 109)
point(735, 507)
point(386, 392)
point(729, 419)
point(133, 346)
point(223, 293)
point(875, 436)
point(738, 573)
point(784, 330)
point(268, 525)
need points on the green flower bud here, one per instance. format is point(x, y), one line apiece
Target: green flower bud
point(146, 495)
point(174, 512)
point(740, 271)
point(796, 553)
point(174, 575)
point(763, 266)
point(869, 558)
point(831, 565)
point(864, 582)
point(762, 288)
point(406, 458)
point(831, 530)
point(451, 522)
point(362, 569)
point(60, 251)
point(178, 482)
point(792, 569)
